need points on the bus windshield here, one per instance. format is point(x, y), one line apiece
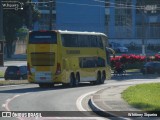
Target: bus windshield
point(38, 37)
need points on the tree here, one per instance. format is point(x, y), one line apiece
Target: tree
point(15, 19)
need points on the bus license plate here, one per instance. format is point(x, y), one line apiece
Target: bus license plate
point(43, 76)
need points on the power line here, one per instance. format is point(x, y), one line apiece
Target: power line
point(114, 5)
point(124, 4)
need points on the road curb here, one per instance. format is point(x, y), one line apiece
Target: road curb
point(100, 111)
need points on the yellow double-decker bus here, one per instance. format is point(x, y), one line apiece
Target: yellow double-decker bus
point(67, 57)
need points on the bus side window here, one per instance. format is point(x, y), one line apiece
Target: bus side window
point(93, 40)
point(100, 62)
point(69, 40)
point(83, 41)
point(99, 41)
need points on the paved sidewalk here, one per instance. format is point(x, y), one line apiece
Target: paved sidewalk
point(109, 103)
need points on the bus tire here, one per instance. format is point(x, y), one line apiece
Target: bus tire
point(98, 79)
point(92, 82)
point(103, 77)
point(51, 85)
point(77, 80)
point(72, 79)
point(46, 85)
point(41, 85)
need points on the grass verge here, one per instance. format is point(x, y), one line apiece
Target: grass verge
point(133, 70)
point(1, 73)
point(144, 96)
point(13, 82)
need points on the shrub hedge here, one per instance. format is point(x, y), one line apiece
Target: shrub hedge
point(132, 61)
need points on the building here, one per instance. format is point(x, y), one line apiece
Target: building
point(119, 19)
point(76, 15)
point(133, 18)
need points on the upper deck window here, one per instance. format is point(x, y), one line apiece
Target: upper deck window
point(38, 37)
point(76, 40)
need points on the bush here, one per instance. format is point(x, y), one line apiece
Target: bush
point(134, 61)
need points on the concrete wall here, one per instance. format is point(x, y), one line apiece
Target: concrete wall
point(20, 47)
point(137, 42)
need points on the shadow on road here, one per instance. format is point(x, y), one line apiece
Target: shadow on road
point(136, 75)
point(35, 88)
point(38, 89)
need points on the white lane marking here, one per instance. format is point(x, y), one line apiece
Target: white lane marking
point(80, 107)
point(6, 105)
point(79, 101)
point(8, 100)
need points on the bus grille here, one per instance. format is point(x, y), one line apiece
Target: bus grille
point(43, 59)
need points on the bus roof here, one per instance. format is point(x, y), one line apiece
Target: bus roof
point(73, 32)
point(78, 32)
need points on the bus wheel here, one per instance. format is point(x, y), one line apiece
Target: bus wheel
point(42, 85)
point(77, 80)
point(98, 81)
point(92, 82)
point(47, 85)
point(103, 77)
point(72, 79)
point(51, 85)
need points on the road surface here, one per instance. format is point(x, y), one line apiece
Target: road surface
point(32, 98)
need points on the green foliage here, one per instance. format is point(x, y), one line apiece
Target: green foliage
point(1, 73)
point(22, 32)
point(15, 19)
point(143, 96)
point(13, 82)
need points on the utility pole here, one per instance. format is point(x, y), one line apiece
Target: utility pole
point(51, 14)
point(143, 35)
point(1, 20)
point(143, 29)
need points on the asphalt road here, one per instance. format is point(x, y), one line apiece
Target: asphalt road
point(32, 98)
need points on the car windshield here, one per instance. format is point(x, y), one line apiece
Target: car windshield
point(120, 45)
point(23, 69)
point(150, 64)
point(12, 68)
